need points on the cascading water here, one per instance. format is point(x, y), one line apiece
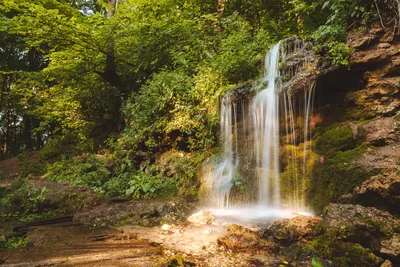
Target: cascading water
point(266, 141)
point(265, 112)
point(224, 171)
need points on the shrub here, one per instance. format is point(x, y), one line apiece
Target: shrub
point(85, 170)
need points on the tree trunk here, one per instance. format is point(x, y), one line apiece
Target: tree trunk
point(6, 109)
point(220, 9)
point(34, 62)
point(110, 73)
point(27, 132)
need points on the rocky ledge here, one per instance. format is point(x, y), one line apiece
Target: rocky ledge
point(346, 234)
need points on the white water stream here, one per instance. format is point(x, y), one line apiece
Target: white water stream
point(265, 113)
point(254, 157)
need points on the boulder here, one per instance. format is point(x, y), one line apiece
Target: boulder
point(387, 263)
point(202, 217)
point(370, 227)
point(242, 239)
point(286, 232)
point(391, 248)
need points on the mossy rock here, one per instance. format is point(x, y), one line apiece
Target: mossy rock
point(342, 253)
point(336, 176)
point(334, 140)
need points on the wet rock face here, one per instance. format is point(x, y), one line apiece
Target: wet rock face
point(379, 56)
point(381, 131)
point(380, 159)
point(382, 191)
point(298, 66)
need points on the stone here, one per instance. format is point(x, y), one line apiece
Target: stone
point(166, 227)
point(242, 239)
point(359, 40)
point(202, 217)
point(207, 231)
point(387, 263)
point(286, 232)
point(384, 45)
point(391, 248)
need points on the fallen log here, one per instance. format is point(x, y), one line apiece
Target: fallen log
point(24, 227)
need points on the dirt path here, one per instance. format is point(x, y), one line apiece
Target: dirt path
point(71, 244)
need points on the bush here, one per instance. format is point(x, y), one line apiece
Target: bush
point(144, 185)
point(86, 170)
point(24, 203)
point(64, 146)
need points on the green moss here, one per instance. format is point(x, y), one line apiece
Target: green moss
point(377, 226)
point(360, 114)
point(331, 245)
point(335, 174)
point(335, 139)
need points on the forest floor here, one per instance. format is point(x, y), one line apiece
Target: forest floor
point(72, 244)
point(104, 233)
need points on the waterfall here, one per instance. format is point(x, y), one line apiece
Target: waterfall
point(265, 112)
point(222, 175)
point(266, 138)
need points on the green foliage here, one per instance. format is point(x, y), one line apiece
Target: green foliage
point(343, 11)
point(144, 185)
point(85, 170)
point(330, 44)
point(97, 173)
point(316, 263)
point(67, 145)
point(330, 38)
point(30, 166)
point(14, 242)
point(28, 199)
point(24, 203)
point(184, 168)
